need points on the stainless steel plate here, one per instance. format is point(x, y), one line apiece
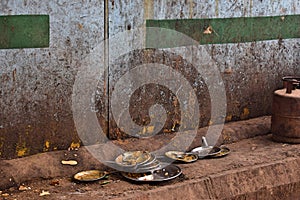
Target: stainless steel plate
point(149, 167)
point(90, 175)
point(224, 151)
point(205, 151)
point(166, 173)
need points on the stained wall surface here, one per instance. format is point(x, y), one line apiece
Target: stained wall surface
point(37, 83)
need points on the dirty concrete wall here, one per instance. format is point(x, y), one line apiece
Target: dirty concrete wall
point(251, 70)
point(37, 83)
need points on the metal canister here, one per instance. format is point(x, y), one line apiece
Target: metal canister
point(285, 124)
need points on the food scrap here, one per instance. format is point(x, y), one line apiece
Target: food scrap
point(69, 162)
point(44, 193)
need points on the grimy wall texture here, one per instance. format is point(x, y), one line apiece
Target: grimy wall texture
point(43, 44)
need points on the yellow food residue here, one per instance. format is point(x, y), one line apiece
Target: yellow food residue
point(147, 130)
point(47, 146)
point(245, 113)
point(22, 150)
point(74, 145)
point(228, 118)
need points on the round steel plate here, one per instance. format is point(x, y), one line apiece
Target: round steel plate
point(166, 173)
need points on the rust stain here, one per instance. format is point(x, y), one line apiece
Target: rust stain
point(251, 7)
point(80, 26)
point(148, 9)
point(14, 74)
point(228, 71)
point(191, 8)
point(217, 8)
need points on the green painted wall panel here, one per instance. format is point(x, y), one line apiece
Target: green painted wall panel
point(227, 30)
point(24, 31)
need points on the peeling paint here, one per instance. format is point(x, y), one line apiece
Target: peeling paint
point(217, 8)
point(148, 9)
point(191, 8)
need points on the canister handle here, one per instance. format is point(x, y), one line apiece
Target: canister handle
point(290, 83)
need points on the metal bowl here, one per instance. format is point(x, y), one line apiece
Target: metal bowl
point(205, 151)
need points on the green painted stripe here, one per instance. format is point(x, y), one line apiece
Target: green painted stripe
point(225, 30)
point(24, 31)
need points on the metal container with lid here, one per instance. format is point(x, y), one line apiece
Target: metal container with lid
point(285, 124)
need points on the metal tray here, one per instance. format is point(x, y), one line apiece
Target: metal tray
point(166, 173)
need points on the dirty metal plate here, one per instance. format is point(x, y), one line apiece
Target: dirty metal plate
point(166, 173)
point(182, 156)
point(203, 152)
point(133, 158)
point(148, 167)
point(224, 151)
point(90, 175)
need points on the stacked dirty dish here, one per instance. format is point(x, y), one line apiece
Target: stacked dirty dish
point(143, 166)
point(137, 162)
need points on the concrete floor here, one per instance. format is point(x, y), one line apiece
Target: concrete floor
point(256, 168)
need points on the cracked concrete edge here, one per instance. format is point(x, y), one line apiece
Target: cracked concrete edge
point(266, 181)
point(17, 171)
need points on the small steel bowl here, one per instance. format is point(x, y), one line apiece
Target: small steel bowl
point(205, 151)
